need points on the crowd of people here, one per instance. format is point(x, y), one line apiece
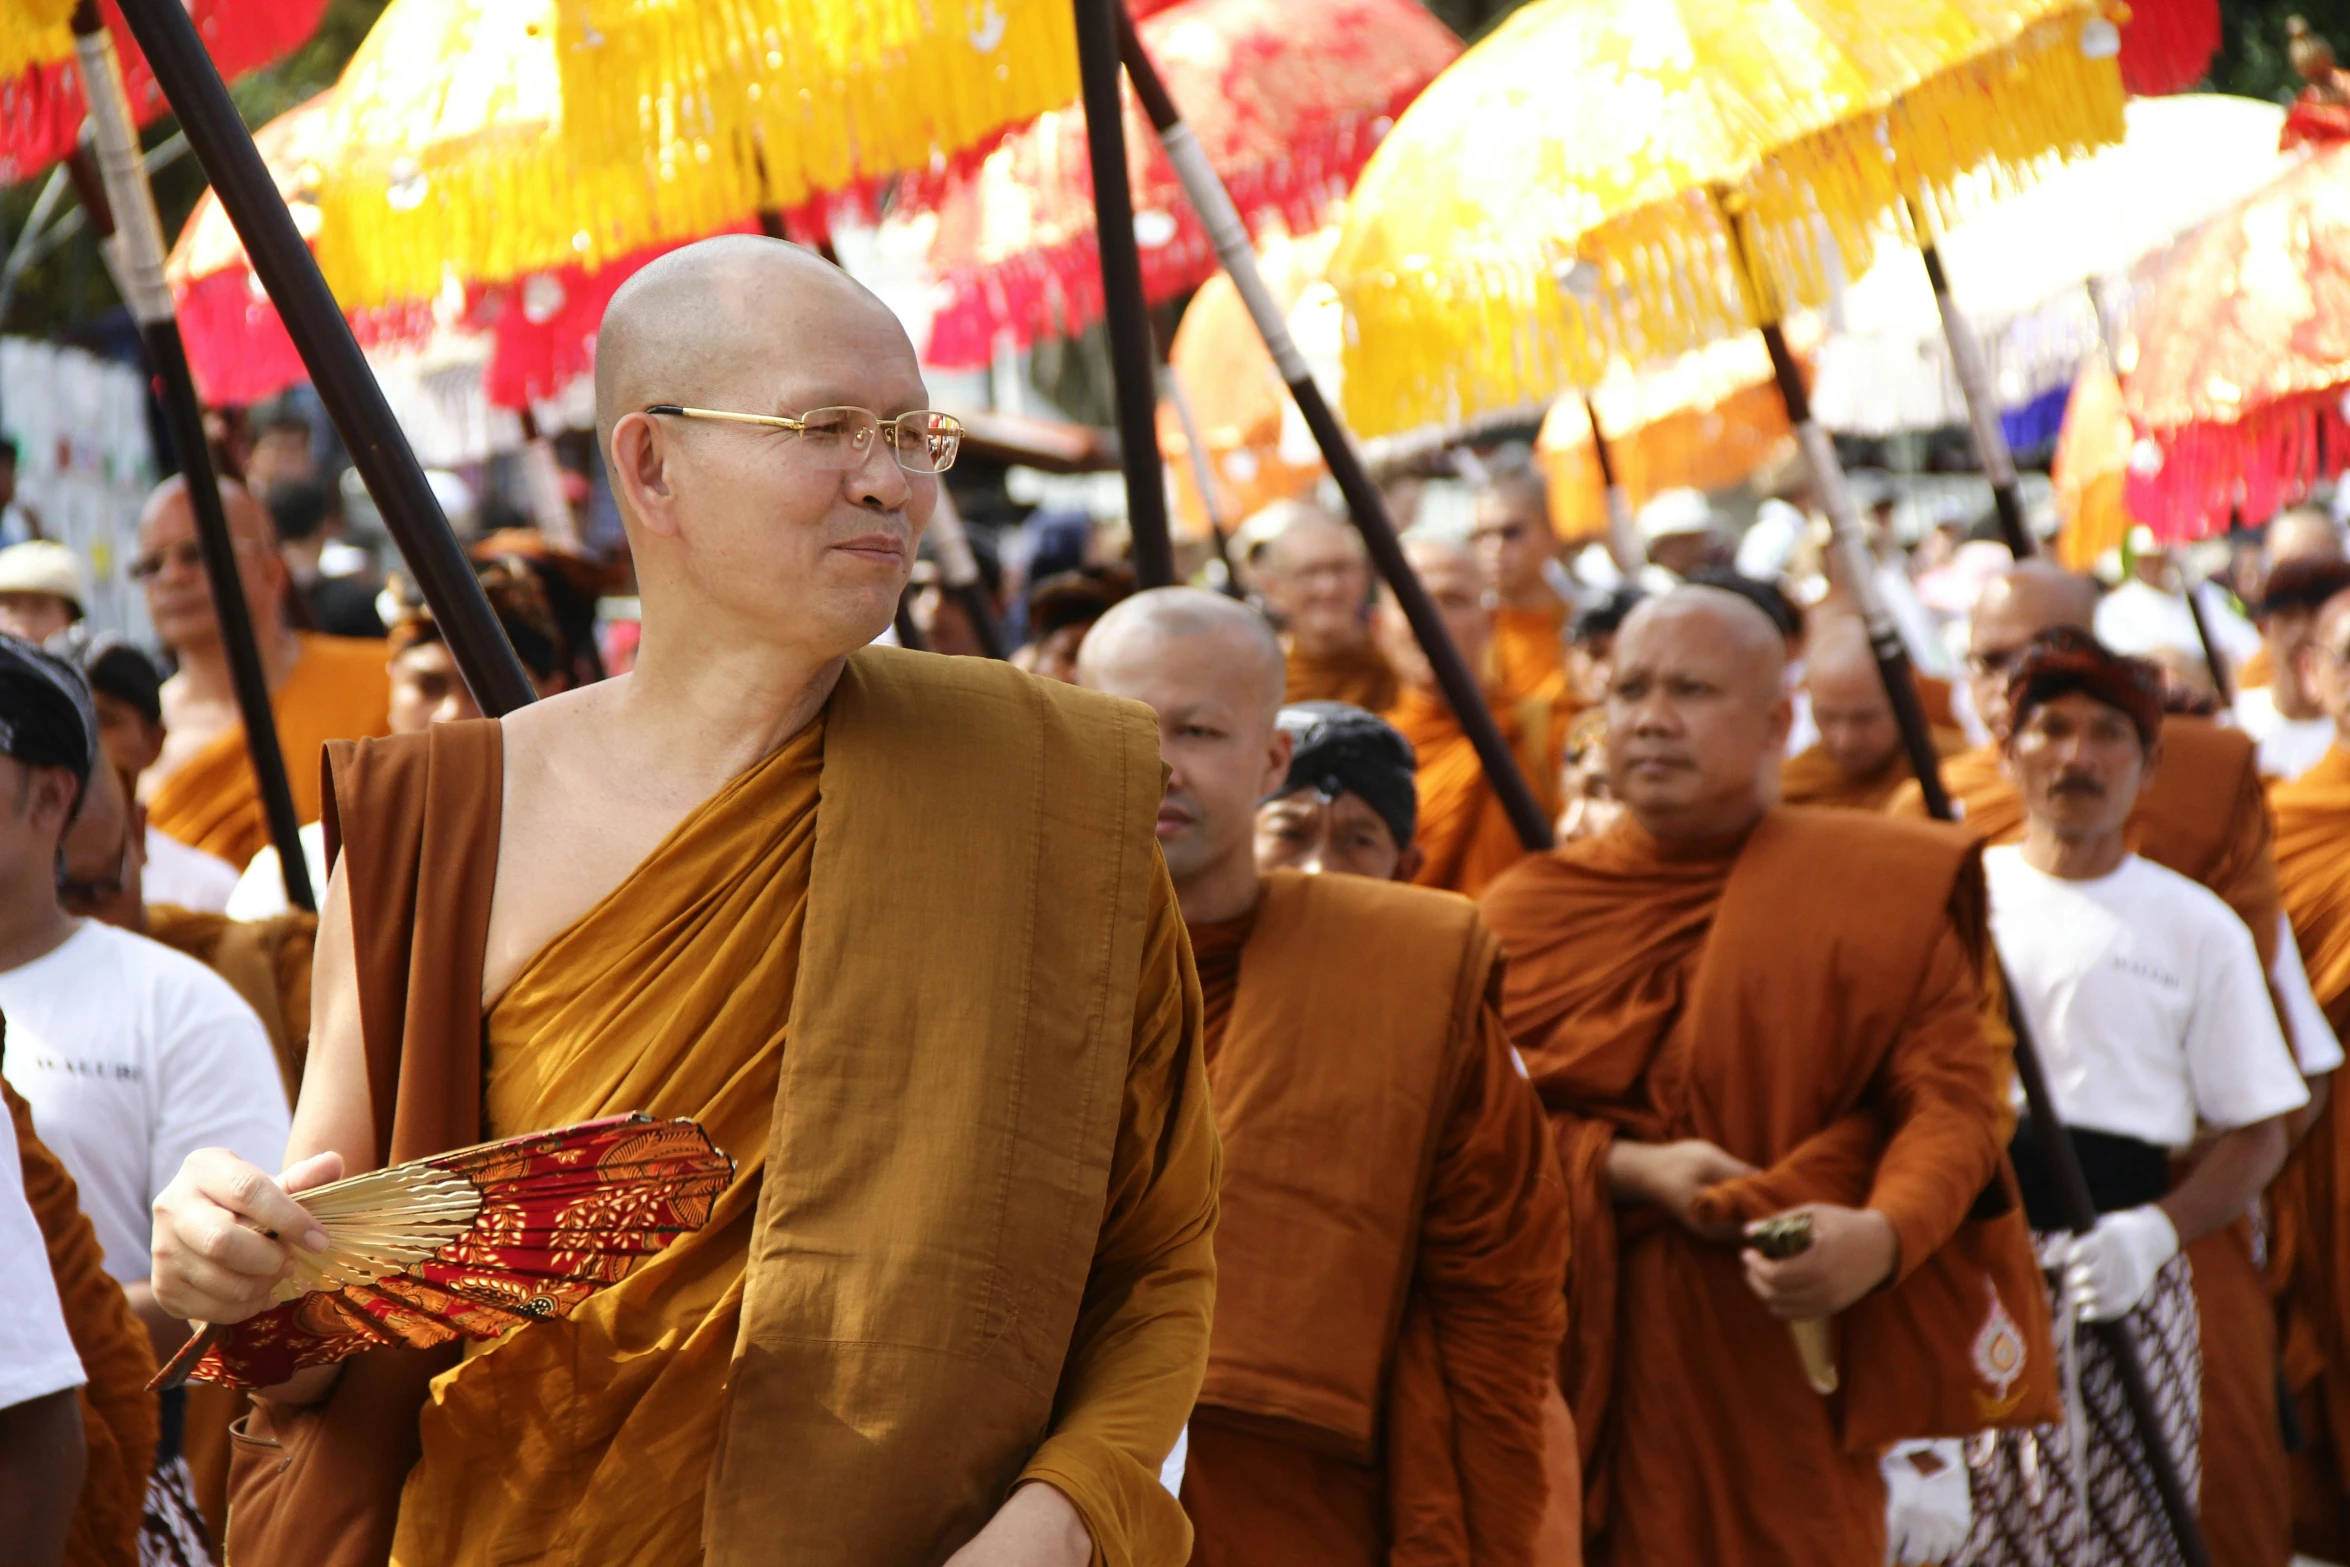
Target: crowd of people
point(1176, 1116)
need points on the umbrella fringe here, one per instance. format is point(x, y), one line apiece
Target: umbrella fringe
point(1430, 348)
point(33, 33)
point(2210, 473)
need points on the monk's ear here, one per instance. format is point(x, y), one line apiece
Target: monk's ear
point(1277, 756)
point(640, 472)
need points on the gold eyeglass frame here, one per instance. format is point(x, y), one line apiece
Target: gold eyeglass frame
point(800, 425)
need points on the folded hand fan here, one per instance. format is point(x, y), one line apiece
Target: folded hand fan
point(475, 1243)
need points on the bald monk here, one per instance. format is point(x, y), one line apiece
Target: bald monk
point(955, 1306)
point(1512, 537)
point(1315, 578)
point(1722, 1035)
point(1465, 836)
point(118, 1413)
point(2312, 1224)
point(1392, 1241)
point(1859, 760)
point(201, 790)
point(2203, 815)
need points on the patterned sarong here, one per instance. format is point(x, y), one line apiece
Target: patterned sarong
point(171, 1534)
point(2027, 1504)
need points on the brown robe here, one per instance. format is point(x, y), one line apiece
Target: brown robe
point(1359, 675)
point(119, 1415)
point(1841, 1035)
point(1529, 648)
point(1464, 835)
point(1391, 1246)
point(979, 1248)
point(2311, 1197)
point(2204, 815)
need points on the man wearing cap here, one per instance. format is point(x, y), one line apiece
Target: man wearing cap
point(131, 1055)
point(2202, 813)
point(2283, 715)
point(1511, 535)
point(1315, 579)
point(1348, 804)
point(42, 590)
point(2151, 1012)
point(1682, 532)
point(1389, 1251)
point(1734, 1014)
point(1464, 833)
point(201, 789)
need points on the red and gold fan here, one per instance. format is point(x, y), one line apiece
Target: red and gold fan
point(472, 1243)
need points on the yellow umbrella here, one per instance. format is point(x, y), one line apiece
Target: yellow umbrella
point(486, 139)
point(34, 33)
point(1556, 199)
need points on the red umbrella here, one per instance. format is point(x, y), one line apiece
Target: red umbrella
point(41, 110)
point(1287, 97)
point(2167, 45)
point(2244, 358)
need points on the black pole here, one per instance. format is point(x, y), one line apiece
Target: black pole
point(137, 237)
point(315, 323)
point(1208, 197)
point(2056, 1148)
point(1124, 310)
point(1623, 536)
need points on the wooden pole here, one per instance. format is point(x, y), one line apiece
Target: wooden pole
point(345, 384)
point(1124, 310)
point(1974, 385)
point(121, 208)
point(1208, 197)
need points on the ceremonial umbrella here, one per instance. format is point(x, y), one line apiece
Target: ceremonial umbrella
point(2167, 45)
point(2091, 467)
point(42, 104)
point(489, 139)
point(1287, 100)
point(2024, 272)
point(2243, 357)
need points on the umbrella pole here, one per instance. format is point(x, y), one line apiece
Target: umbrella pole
point(1125, 312)
point(1974, 384)
point(2056, 1149)
point(349, 389)
point(958, 571)
point(1213, 203)
point(1623, 534)
point(122, 207)
point(1204, 480)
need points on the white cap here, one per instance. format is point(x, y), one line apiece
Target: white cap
point(1671, 513)
point(42, 566)
point(1770, 544)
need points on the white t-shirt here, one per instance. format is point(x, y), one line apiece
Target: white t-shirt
point(134, 1056)
point(183, 877)
point(261, 892)
point(36, 1352)
point(2289, 747)
point(2146, 999)
point(2316, 1047)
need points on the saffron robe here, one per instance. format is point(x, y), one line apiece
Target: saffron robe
point(337, 690)
point(2204, 815)
point(1464, 834)
point(2309, 1197)
point(1529, 649)
point(1811, 777)
point(1391, 1246)
point(119, 1415)
point(1359, 675)
point(1841, 1037)
point(971, 1241)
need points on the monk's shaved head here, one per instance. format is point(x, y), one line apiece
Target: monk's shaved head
point(168, 504)
point(2015, 606)
point(1848, 701)
point(1212, 671)
point(179, 594)
point(1450, 571)
point(1242, 651)
point(1697, 712)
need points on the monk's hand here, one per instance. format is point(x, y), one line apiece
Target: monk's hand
point(1670, 1175)
point(1036, 1527)
point(225, 1233)
point(1852, 1251)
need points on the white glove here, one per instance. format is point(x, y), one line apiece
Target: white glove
point(1927, 1509)
point(2110, 1269)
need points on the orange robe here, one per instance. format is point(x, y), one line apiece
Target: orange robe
point(1391, 1247)
point(337, 690)
point(1839, 1034)
point(119, 1416)
point(1359, 675)
point(2310, 1196)
point(722, 981)
point(2204, 815)
point(1529, 648)
point(1812, 778)
point(1463, 832)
